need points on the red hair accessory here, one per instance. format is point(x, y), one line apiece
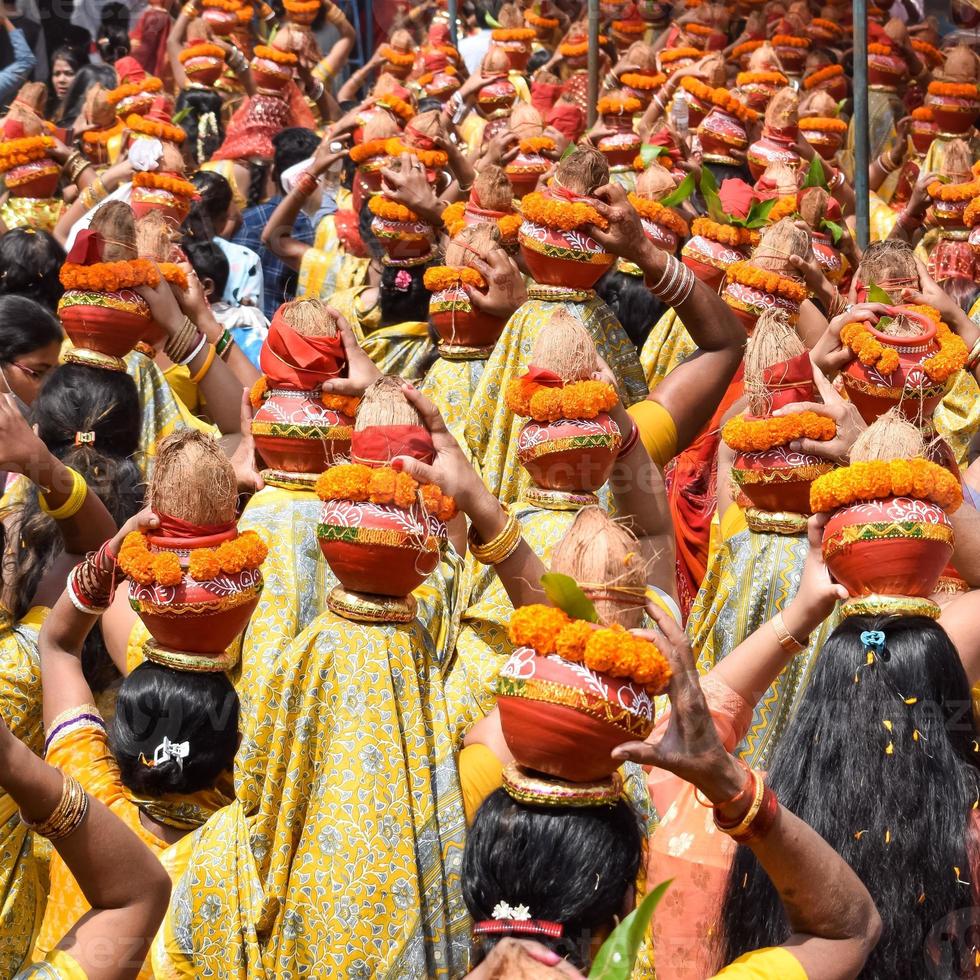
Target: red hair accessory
point(517, 921)
point(403, 280)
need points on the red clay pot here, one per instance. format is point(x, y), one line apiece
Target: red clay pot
point(749, 303)
point(923, 132)
point(563, 258)
point(709, 259)
point(573, 455)
point(888, 70)
point(458, 324)
point(778, 479)
point(722, 135)
point(36, 179)
point(112, 330)
point(953, 115)
point(774, 146)
point(295, 433)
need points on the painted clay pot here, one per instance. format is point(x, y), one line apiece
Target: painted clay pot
point(709, 259)
point(722, 137)
point(660, 235)
point(496, 98)
point(172, 206)
point(778, 479)
point(887, 70)
point(39, 178)
point(835, 86)
point(909, 386)
point(749, 303)
point(828, 256)
point(442, 86)
point(204, 70)
point(621, 148)
point(564, 720)
point(103, 327)
point(138, 104)
point(792, 57)
point(403, 239)
point(974, 239)
point(953, 115)
point(826, 142)
point(897, 546)
point(524, 170)
point(696, 108)
point(923, 132)
point(563, 258)
point(295, 433)
point(270, 75)
point(458, 324)
point(196, 617)
point(518, 53)
point(669, 67)
point(221, 22)
point(379, 549)
point(572, 455)
point(774, 146)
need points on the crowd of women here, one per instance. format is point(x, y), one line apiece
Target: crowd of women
point(437, 527)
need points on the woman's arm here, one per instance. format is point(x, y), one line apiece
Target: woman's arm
point(126, 886)
point(175, 43)
point(834, 921)
point(350, 88)
point(95, 193)
point(337, 56)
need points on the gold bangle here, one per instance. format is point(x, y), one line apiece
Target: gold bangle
point(206, 366)
point(500, 547)
point(67, 816)
point(79, 491)
point(753, 811)
point(786, 639)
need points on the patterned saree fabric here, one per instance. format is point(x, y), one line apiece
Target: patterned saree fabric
point(450, 385)
point(31, 212)
point(21, 895)
point(342, 855)
point(666, 346)
point(492, 429)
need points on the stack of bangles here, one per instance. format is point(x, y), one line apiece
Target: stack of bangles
point(94, 194)
point(236, 60)
point(307, 183)
point(974, 358)
point(67, 816)
point(786, 639)
point(92, 582)
point(907, 221)
point(757, 820)
point(838, 305)
point(499, 548)
point(887, 165)
point(676, 283)
point(630, 441)
point(188, 342)
point(79, 491)
point(323, 71)
point(74, 166)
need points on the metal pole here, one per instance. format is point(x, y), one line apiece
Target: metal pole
point(593, 60)
point(453, 34)
point(859, 123)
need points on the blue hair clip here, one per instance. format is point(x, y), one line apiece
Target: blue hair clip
point(873, 640)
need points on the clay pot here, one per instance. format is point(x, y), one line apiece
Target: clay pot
point(974, 239)
point(722, 136)
point(563, 258)
point(909, 387)
point(270, 75)
point(108, 331)
point(696, 109)
point(458, 324)
point(923, 132)
point(953, 115)
point(774, 146)
point(828, 256)
point(221, 22)
point(572, 455)
point(295, 433)
point(868, 555)
point(778, 479)
point(203, 618)
point(172, 206)
point(792, 58)
point(825, 142)
point(518, 53)
point(379, 549)
point(709, 259)
point(564, 720)
point(36, 179)
point(888, 70)
point(403, 239)
point(496, 98)
point(524, 170)
point(653, 12)
point(621, 148)
point(661, 236)
point(749, 303)
point(835, 87)
point(204, 70)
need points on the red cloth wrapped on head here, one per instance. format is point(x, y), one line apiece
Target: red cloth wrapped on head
point(568, 119)
point(292, 361)
point(378, 445)
point(544, 95)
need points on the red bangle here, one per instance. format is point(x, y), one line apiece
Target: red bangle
point(744, 791)
point(306, 183)
point(763, 821)
point(630, 441)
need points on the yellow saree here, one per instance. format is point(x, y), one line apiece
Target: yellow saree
point(667, 345)
point(341, 855)
point(21, 894)
point(450, 385)
point(328, 267)
point(492, 428)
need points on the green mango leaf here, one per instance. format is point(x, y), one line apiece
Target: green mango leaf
point(709, 191)
point(564, 592)
point(615, 959)
point(680, 193)
point(836, 232)
point(883, 322)
point(569, 150)
point(179, 117)
point(491, 20)
point(877, 295)
point(840, 106)
point(758, 214)
point(649, 152)
point(816, 176)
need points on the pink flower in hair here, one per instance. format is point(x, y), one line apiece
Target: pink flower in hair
point(403, 280)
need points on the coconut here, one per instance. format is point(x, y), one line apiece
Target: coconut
point(199, 31)
point(525, 121)
point(27, 117)
point(891, 436)
point(380, 127)
point(781, 177)
point(97, 109)
point(154, 239)
point(820, 103)
point(583, 172)
point(778, 243)
point(764, 58)
point(193, 480)
point(384, 403)
point(783, 110)
point(509, 16)
point(33, 96)
point(896, 30)
point(473, 241)
point(425, 126)
point(888, 264)
point(386, 85)
point(655, 182)
point(957, 162)
point(171, 159)
point(642, 56)
point(773, 341)
point(492, 190)
point(496, 62)
point(813, 206)
point(602, 555)
point(114, 221)
point(310, 317)
point(402, 41)
point(712, 69)
point(564, 346)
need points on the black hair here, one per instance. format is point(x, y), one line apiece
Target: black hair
point(155, 702)
point(201, 223)
point(113, 38)
point(76, 398)
point(25, 326)
point(881, 760)
point(636, 308)
point(209, 262)
point(74, 58)
point(571, 865)
point(203, 125)
point(30, 263)
point(429, 103)
point(85, 78)
point(399, 305)
point(538, 60)
point(962, 291)
point(371, 243)
point(724, 171)
point(292, 146)
point(257, 173)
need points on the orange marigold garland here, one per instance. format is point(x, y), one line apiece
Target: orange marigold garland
point(345, 404)
point(121, 92)
point(158, 130)
point(822, 75)
point(923, 113)
point(720, 98)
point(452, 218)
point(950, 358)
point(826, 124)
point(868, 350)
point(566, 215)
point(536, 20)
point(678, 54)
point(731, 235)
point(109, 277)
point(641, 82)
point(826, 25)
point(618, 104)
point(748, 435)
point(575, 400)
point(27, 149)
point(783, 208)
point(629, 26)
point(102, 136)
point(761, 78)
point(659, 214)
point(929, 50)
point(509, 226)
point(258, 392)
point(382, 485)
point(430, 158)
point(391, 210)
point(440, 277)
point(367, 150)
point(537, 144)
point(522, 34)
point(147, 567)
point(954, 192)
point(204, 50)
point(954, 90)
point(396, 105)
point(881, 49)
point(270, 53)
point(789, 41)
point(877, 479)
point(746, 47)
point(972, 213)
point(606, 649)
point(165, 182)
point(174, 274)
point(404, 59)
point(767, 282)
point(577, 49)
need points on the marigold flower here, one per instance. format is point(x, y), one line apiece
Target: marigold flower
point(954, 90)
point(537, 626)
point(659, 214)
point(366, 150)
point(546, 404)
point(166, 568)
point(542, 209)
point(259, 390)
point(391, 210)
point(231, 555)
point(439, 277)
point(746, 435)
point(204, 565)
point(572, 640)
point(27, 149)
point(344, 404)
point(433, 159)
point(724, 234)
point(642, 82)
point(766, 282)
point(965, 191)
point(109, 277)
point(603, 646)
point(513, 34)
point(826, 124)
point(165, 182)
point(878, 479)
point(452, 218)
point(158, 130)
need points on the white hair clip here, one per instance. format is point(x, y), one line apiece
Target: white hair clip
point(178, 751)
point(519, 914)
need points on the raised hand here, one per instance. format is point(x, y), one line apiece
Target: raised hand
point(624, 235)
point(505, 285)
point(830, 355)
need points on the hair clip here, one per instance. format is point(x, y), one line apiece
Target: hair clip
point(873, 641)
point(178, 751)
point(84, 438)
point(403, 281)
point(517, 920)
